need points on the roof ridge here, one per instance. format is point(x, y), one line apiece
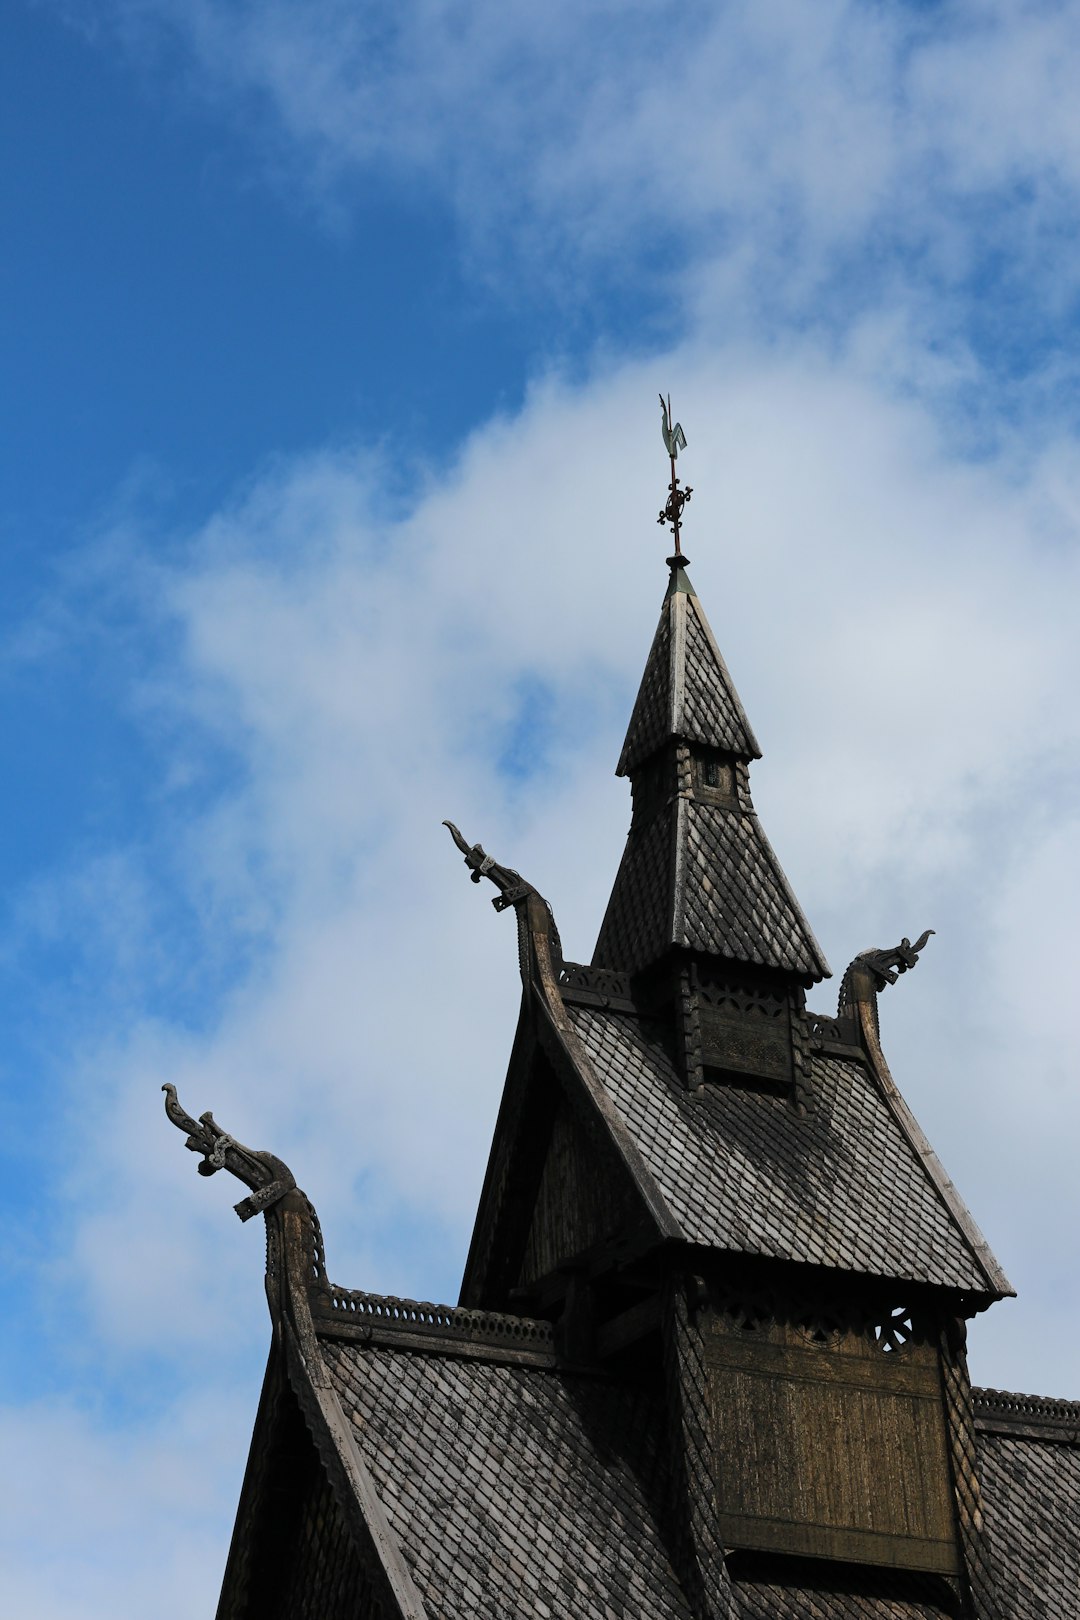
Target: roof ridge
point(940, 1180)
point(356, 1308)
point(739, 717)
point(1039, 1416)
point(783, 883)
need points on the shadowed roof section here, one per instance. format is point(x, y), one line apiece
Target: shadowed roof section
point(511, 1490)
point(544, 1492)
point(812, 1596)
point(742, 1172)
point(686, 690)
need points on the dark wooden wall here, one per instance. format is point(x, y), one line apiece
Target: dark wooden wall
point(580, 1200)
point(828, 1446)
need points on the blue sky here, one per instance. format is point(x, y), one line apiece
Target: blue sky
point(331, 464)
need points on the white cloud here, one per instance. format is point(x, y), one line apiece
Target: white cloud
point(116, 1500)
point(899, 625)
point(293, 942)
point(782, 144)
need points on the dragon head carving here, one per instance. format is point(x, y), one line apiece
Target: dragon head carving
point(872, 970)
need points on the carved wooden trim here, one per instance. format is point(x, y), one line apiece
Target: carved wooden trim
point(698, 1552)
point(345, 1313)
point(974, 1537)
point(595, 987)
point(1033, 1417)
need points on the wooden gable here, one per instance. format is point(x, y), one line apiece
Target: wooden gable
point(556, 1191)
point(293, 1551)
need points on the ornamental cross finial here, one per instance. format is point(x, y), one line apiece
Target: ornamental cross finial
point(674, 440)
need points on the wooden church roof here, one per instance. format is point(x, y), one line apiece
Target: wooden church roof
point(698, 872)
point(700, 1196)
point(507, 1483)
point(841, 1186)
point(686, 690)
point(1029, 1465)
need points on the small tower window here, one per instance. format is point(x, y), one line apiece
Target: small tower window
point(714, 774)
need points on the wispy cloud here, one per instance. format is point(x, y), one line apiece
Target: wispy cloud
point(824, 160)
point(885, 542)
point(899, 624)
point(119, 1498)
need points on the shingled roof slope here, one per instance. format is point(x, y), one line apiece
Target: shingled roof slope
point(737, 901)
point(686, 690)
point(732, 898)
point(742, 1171)
point(640, 916)
point(1029, 1468)
point(539, 1492)
point(698, 872)
point(513, 1490)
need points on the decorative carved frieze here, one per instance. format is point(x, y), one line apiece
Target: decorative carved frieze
point(746, 1029)
point(595, 986)
point(386, 1317)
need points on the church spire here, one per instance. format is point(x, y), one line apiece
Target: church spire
point(686, 691)
point(698, 873)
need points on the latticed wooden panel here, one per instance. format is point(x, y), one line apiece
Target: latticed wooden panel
point(744, 1030)
point(829, 1437)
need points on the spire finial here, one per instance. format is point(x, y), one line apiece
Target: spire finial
point(674, 441)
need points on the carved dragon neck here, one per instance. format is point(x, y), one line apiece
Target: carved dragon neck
point(534, 914)
point(294, 1243)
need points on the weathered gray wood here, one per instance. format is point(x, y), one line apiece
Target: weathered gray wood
point(332, 1325)
point(320, 1400)
point(942, 1182)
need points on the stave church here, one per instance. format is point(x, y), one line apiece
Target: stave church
point(708, 1360)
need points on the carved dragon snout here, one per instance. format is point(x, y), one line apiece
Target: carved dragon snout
point(887, 966)
point(266, 1175)
point(511, 885)
point(871, 971)
point(514, 891)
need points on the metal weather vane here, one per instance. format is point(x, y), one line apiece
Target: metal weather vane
point(674, 441)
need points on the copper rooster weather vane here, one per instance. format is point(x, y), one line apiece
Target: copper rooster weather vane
point(674, 441)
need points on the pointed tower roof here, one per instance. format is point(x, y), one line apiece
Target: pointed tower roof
point(686, 690)
point(698, 872)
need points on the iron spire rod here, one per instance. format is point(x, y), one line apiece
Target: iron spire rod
point(671, 514)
